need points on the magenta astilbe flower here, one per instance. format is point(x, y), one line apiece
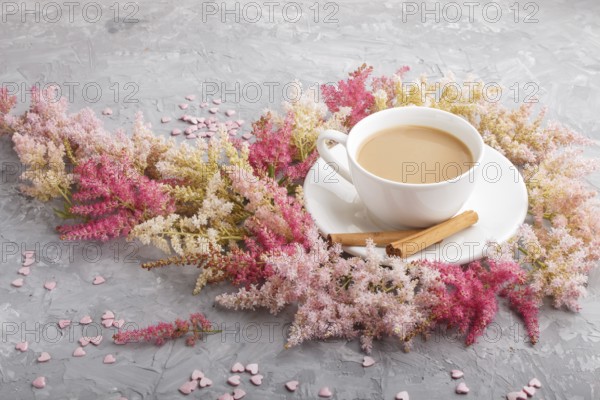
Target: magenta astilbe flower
point(351, 93)
point(113, 197)
point(7, 102)
point(273, 151)
point(196, 324)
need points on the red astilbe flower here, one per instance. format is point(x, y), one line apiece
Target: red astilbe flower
point(467, 298)
point(272, 152)
point(113, 197)
point(351, 93)
point(196, 325)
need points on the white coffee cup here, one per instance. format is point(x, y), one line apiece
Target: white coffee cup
point(406, 205)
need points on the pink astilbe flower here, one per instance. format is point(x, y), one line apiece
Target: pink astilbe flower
point(272, 152)
point(353, 93)
point(196, 325)
point(7, 102)
point(114, 197)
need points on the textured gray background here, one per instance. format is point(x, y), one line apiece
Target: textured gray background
point(173, 50)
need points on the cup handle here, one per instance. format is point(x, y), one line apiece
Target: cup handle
point(325, 151)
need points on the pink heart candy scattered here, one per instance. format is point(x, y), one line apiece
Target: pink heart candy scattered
point(246, 136)
point(456, 374)
point(292, 385)
point(234, 380)
point(84, 341)
point(217, 101)
point(63, 323)
point(529, 391)
point(516, 396)
point(197, 375)
point(535, 382)
point(256, 379)
point(185, 117)
point(50, 285)
point(402, 395)
point(192, 136)
point(193, 120)
point(233, 132)
point(108, 315)
point(462, 388)
point(85, 320)
point(44, 357)
point(96, 340)
point(325, 392)
point(176, 132)
point(252, 368)
point(109, 359)
point(204, 382)
point(17, 282)
point(79, 352)
point(107, 111)
point(24, 271)
point(164, 120)
point(108, 322)
point(184, 106)
point(118, 323)
point(213, 110)
point(238, 367)
point(28, 253)
point(39, 382)
point(238, 394)
point(368, 361)
point(99, 280)
point(203, 105)
point(22, 346)
point(28, 262)
point(188, 387)
point(240, 122)
point(190, 97)
point(225, 396)
point(229, 113)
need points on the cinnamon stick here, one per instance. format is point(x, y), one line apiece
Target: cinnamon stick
point(410, 245)
point(381, 239)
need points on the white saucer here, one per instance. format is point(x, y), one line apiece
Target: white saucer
point(500, 199)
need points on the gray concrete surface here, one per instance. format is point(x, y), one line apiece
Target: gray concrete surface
point(181, 47)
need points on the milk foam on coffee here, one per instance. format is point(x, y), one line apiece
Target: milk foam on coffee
point(415, 154)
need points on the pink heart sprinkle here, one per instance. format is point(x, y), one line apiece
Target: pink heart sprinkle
point(185, 117)
point(402, 395)
point(50, 285)
point(176, 132)
point(252, 368)
point(109, 359)
point(240, 122)
point(17, 282)
point(99, 280)
point(217, 101)
point(238, 394)
point(325, 392)
point(225, 396)
point(24, 271)
point(188, 387)
point(229, 113)
point(84, 341)
point(197, 375)
point(456, 374)
point(292, 385)
point(529, 391)
point(107, 111)
point(44, 357)
point(108, 322)
point(96, 340)
point(246, 136)
point(164, 120)
point(192, 136)
point(85, 320)
point(204, 382)
point(535, 382)
point(516, 396)
point(234, 380)
point(190, 97)
point(203, 105)
point(118, 323)
point(28, 262)
point(368, 361)
point(22, 346)
point(63, 323)
point(108, 315)
point(39, 382)
point(79, 352)
point(193, 121)
point(184, 106)
point(233, 132)
point(256, 379)
point(462, 388)
point(213, 110)
point(28, 253)
point(238, 367)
